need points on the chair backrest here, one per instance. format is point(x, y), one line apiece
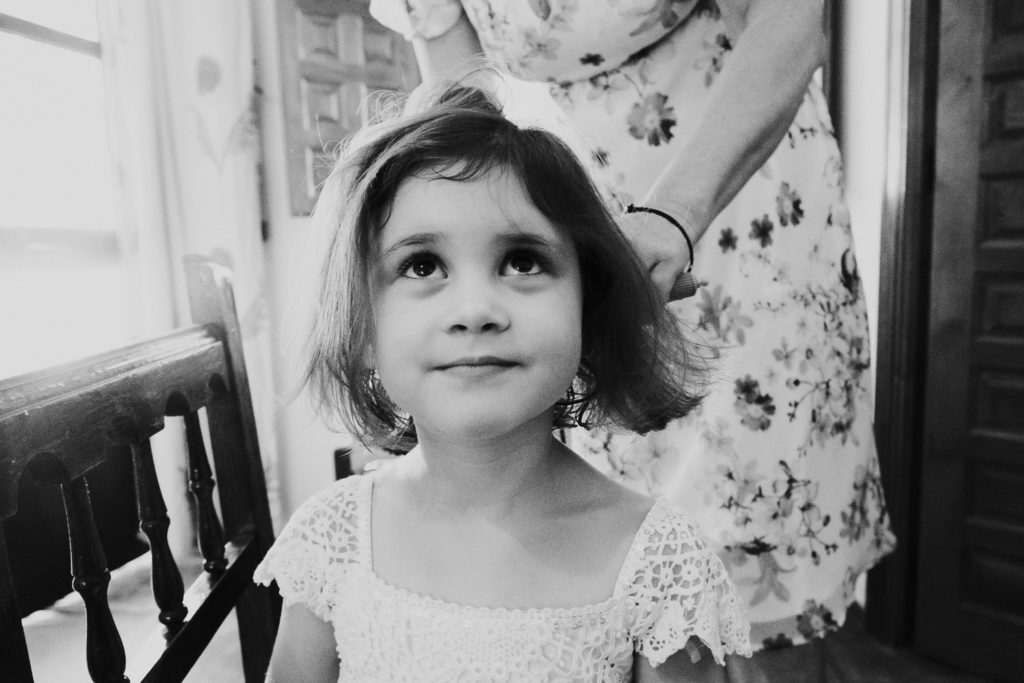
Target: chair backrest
point(59, 424)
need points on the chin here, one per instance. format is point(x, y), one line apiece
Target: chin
point(474, 426)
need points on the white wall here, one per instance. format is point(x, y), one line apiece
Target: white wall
point(864, 73)
point(305, 446)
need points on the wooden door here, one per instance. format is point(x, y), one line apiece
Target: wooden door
point(335, 61)
point(970, 591)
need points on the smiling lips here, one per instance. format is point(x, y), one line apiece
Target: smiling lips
point(478, 365)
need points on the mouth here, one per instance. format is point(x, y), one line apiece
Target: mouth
point(478, 362)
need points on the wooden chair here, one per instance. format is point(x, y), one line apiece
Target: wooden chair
point(57, 425)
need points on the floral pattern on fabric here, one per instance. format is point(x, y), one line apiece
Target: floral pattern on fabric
point(778, 465)
point(651, 120)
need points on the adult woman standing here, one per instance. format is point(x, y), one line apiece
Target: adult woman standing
point(707, 113)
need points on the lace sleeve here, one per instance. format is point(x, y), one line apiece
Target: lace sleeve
point(314, 550)
point(686, 592)
point(417, 18)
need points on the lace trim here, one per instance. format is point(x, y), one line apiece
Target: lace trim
point(686, 591)
point(312, 554)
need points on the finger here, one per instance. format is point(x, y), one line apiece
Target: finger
point(663, 276)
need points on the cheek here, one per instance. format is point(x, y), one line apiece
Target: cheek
point(574, 314)
point(565, 325)
point(386, 353)
point(391, 323)
point(394, 377)
point(574, 350)
point(566, 358)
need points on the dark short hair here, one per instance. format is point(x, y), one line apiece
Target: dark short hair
point(637, 370)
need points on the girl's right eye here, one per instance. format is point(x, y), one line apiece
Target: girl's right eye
point(420, 267)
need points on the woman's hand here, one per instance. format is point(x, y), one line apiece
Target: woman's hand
point(659, 246)
point(449, 54)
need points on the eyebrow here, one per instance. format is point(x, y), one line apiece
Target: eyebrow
point(527, 239)
point(416, 240)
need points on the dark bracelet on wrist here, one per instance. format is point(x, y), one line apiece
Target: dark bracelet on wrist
point(633, 208)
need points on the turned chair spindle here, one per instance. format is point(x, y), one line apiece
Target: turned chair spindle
point(208, 528)
point(105, 655)
point(168, 588)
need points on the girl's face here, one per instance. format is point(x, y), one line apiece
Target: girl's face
point(478, 307)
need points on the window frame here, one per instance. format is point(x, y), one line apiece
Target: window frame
point(45, 247)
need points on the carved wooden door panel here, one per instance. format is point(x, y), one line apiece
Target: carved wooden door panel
point(335, 58)
point(970, 596)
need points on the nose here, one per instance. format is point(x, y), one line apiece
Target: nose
point(476, 307)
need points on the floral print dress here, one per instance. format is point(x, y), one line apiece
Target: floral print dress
point(778, 465)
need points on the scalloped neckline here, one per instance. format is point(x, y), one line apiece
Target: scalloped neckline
point(636, 546)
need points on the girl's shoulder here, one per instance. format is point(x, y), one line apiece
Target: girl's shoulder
point(334, 515)
point(343, 496)
point(667, 536)
point(330, 525)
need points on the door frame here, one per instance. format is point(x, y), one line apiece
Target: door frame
point(904, 266)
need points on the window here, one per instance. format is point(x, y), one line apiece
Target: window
point(63, 290)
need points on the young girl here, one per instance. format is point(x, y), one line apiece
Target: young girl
point(477, 294)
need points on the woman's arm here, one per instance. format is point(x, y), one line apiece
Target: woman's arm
point(305, 649)
point(445, 55)
point(780, 44)
point(777, 46)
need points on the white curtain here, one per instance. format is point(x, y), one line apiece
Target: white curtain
point(183, 105)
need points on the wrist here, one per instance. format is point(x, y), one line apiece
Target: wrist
point(684, 226)
point(692, 215)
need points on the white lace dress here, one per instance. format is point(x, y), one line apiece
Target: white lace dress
point(670, 588)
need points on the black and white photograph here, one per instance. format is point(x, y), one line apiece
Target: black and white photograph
point(512, 341)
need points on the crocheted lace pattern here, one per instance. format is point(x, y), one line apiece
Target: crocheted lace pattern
point(671, 587)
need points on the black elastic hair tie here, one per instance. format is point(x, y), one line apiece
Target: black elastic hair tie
point(686, 285)
point(633, 208)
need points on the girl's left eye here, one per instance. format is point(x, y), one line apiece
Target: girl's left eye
point(523, 264)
